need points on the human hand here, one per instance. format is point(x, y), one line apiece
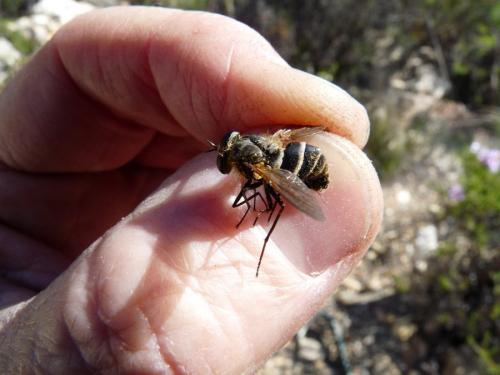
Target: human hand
point(118, 101)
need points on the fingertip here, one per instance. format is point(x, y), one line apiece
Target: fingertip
point(352, 205)
point(276, 95)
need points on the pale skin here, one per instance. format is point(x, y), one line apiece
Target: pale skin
point(118, 246)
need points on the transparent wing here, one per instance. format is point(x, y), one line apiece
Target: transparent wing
point(293, 189)
point(293, 135)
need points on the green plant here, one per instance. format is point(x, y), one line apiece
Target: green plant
point(384, 148)
point(478, 212)
point(184, 4)
point(25, 46)
point(486, 351)
point(14, 7)
point(471, 278)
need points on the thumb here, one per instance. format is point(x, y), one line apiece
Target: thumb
point(172, 287)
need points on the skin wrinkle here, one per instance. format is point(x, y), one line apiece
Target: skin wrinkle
point(254, 249)
point(226, 334)
point(75, 358)
point(112, 362)
point(155, 335)
point(249, 247)
point(177, 368)
point(35, 354)
point(168, 360)
point(190, 84)
point(155, 77)
point(218, 323)
point(157, 342)
point(225, 83)
point(187, 282)
point(187, 81)
point(95, 297)
point(152, 85)
point(211, 103)
point(242, 266)
point(212, 248)
point(168, 357)
point(125, 124)
point(109, 150)
point(46, 342)
point(14, 161)
point(250, 349)
point(49, 70)
point(101, 78)
point(126, 23)
point(83, 90)
point(113, 333)
point(221, 229)
point(248, 339)
point(77, 352)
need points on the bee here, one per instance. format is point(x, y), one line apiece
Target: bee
point(284, 165)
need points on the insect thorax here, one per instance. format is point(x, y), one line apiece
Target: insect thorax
point(254, 150)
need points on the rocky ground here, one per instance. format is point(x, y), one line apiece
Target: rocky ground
point(370, 325)
point(373, 308)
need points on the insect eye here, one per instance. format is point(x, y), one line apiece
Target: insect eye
point(223, 163)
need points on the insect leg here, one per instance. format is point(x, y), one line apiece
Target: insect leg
point(270, 205)
point(242, 194)
point(249, 185)
point(257, 194)
point(277, 201)
point(247, 202)
point(273, 201)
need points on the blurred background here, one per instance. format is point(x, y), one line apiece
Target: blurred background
point(426, 300)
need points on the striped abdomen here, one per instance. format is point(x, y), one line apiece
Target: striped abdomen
point(307, 162)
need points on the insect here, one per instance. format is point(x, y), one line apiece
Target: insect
point(284, 165)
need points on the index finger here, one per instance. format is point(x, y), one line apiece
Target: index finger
point(116, 84)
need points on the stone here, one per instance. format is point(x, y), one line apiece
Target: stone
point(353, 284)
point(47, 16)
point(8, 58)
point(427, 240)
point(403, 196)
point(62, 10)
point(8, 54)
point(404, 330)
point(310, 349)
point(383, 364)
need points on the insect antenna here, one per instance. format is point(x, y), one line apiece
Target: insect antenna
point(213, 145)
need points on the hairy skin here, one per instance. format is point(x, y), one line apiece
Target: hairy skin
point(118, 251)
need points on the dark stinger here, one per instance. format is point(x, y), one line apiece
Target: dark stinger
point(283, 164)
